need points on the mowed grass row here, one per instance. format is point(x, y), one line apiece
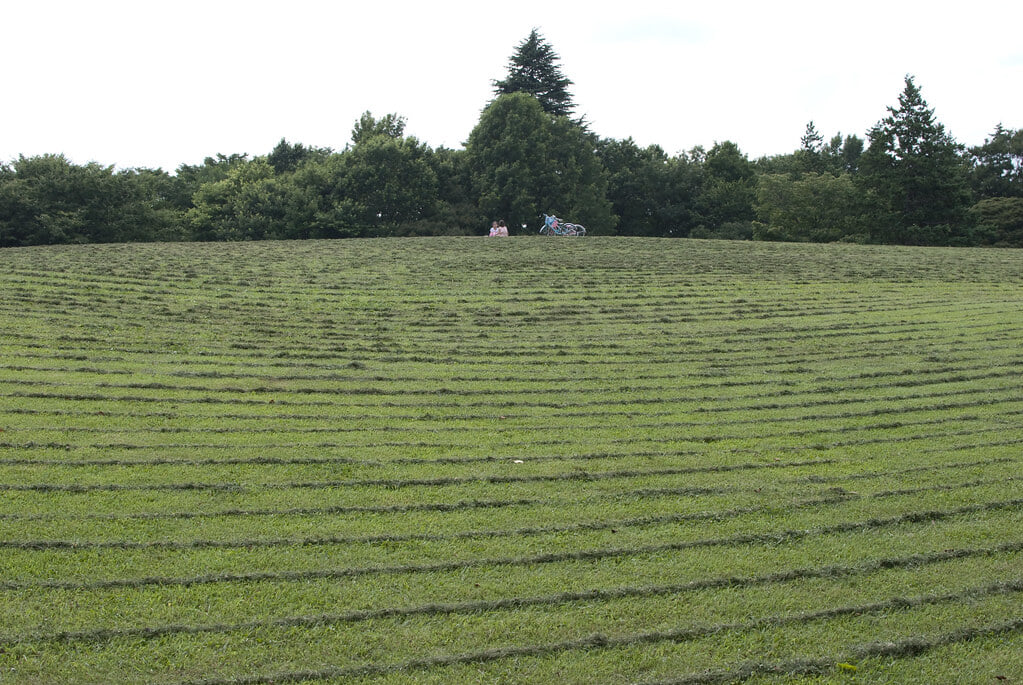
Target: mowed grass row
point(462, 460)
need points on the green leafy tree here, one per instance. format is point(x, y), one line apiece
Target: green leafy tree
point(189, 177)
point(148, 210)
point(384, 184)
point(286, 157)
point(391, 178)
point(637, 180)
point(524, 161)
point(812, 208)
point(679, 214)
point(998, 164)
point(789, 163)
point(246, 205)
point(728, 189)
point(44, 200)
point(534, 69)
point(577, 182)
point(916, 173)
point(389, 126)
point(999, 221)
point(321, 209)
point(456, 211)
point(48, 200)
point(650, 192)
point(255, 203)
point(507, 152)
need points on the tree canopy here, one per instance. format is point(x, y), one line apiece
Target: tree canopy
point(910, 183)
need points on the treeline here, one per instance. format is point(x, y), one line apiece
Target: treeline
point(909, 182)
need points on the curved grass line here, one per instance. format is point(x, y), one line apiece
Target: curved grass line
point(414, 460)
point(776, 537)
point(888, 439)
point(743, 361)
point(680, 355)
point(887, 411)
point(493, 504)
point(903, 648)
point(901, 382)
point(212, 461)
point(868, 475)
point(478, 504)
point(619, 402)
point(791, 449)
point(564, 385)
point(836, 497)
point(295, 511)
point(762, 336)
point(82, 545)
point(707, 439)
point(612, 354)
point(558, 599)
point(960, 448)
point(283, 461)
point(762, 333)
point(401, 483)
point(552, 427)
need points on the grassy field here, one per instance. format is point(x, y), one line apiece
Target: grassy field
point(511, 461)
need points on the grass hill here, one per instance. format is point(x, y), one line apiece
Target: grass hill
point(525, 460)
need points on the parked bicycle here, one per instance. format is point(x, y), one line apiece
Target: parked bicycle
point(552, 225)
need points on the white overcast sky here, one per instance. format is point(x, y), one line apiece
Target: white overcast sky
point(150, 83)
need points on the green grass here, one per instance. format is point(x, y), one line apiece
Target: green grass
point(464, 460)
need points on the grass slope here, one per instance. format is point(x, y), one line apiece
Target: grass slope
point(524, 460)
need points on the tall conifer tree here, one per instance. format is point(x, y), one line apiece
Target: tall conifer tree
point(917, 172)
point(534, 69)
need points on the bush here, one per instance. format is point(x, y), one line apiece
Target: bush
point(999, 221)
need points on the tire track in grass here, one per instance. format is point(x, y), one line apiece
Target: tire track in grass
point(776, 537)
